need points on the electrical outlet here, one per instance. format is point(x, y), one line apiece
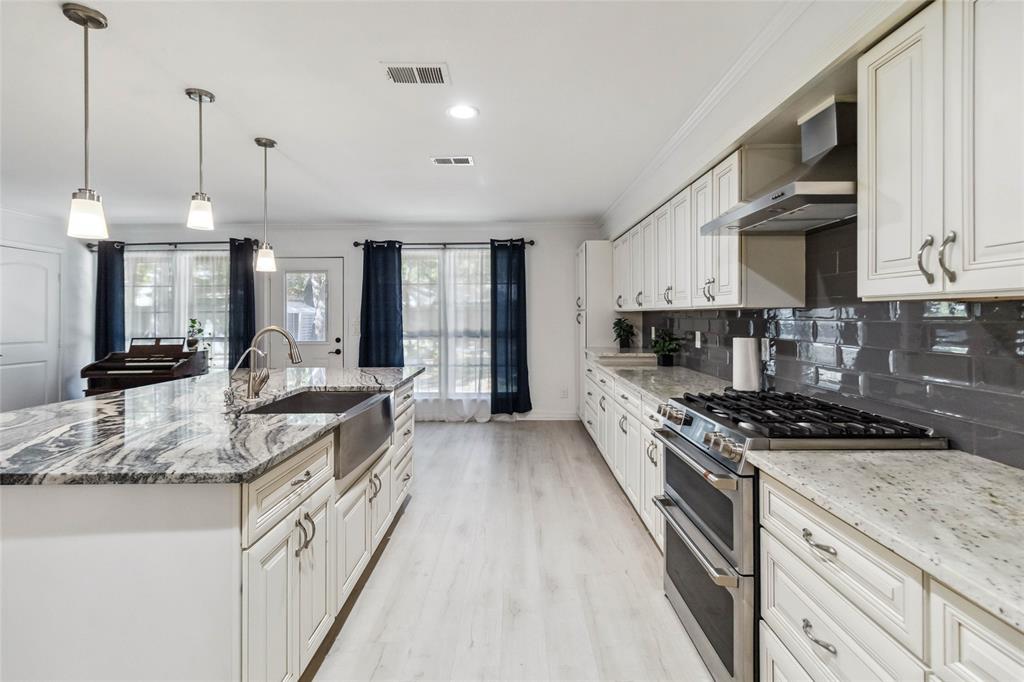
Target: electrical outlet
point(696, 339)
point(565, 393)
point(765, 350)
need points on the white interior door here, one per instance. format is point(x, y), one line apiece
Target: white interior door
point(306, 297)
point(29, 327)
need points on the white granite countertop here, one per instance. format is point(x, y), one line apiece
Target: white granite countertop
point(616, 353)
point(658, 384)
point(174, 432)
point(958, 517)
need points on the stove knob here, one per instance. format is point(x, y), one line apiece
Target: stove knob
point(709, 436)
point(675, 416)
point(732, 450)
point(716, 440)
point(687, 419)
point(664, 410)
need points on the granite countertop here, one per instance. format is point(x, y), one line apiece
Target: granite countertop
point(661, 383)
point(174, 432)
point(958, 517)
point(614, 352)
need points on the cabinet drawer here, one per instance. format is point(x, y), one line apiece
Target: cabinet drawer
point(404, 398)
point(970, 644)
point(628, 397)
point(649, 414)
point(403, 479)
point(799, 605)
point(886, 587)
point(273, 495)
point(400, 455)
point(604, 379)
point(591, 392)
point(405, 429)
point(777, 664)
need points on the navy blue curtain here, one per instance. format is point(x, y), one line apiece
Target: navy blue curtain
point(510, 376)
point(109, 298)
point(380, 322)
point(241, 299)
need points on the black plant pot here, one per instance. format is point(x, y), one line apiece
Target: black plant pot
point(192, 342)
point(666, 360)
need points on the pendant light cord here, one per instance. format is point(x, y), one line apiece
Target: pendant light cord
point(85, 28)
point(200, 144)
point(264, 196)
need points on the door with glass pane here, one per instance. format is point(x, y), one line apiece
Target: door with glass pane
point(306, 299)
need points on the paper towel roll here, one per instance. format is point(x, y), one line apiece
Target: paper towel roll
point(746, 364)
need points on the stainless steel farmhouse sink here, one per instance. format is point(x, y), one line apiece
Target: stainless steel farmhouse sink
point(367, 421)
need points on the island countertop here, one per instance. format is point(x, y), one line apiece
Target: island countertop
point(174, 432)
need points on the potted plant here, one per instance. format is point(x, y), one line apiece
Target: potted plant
point(624, 332)
point(665, 346)
point(195, 330)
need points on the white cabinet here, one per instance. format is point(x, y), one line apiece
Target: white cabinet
point(270, 649)
point(594, 313)
point(380, 500)
point(650, 294)
point(581, 277)
point(634, 453)
point(681, 254)
point(900, 159)
point(653, 484)
point(725, 195)
point(968, 644)
point(705, 249)
point(316, 591)
point(621, 275)
point(621, 442)
point(939, 165)
point(664, 265)
point(351, 529)
point(636, 267)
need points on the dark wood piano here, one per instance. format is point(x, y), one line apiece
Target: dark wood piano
point(147, 361)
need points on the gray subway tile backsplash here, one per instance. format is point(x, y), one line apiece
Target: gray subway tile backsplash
point(955, 366)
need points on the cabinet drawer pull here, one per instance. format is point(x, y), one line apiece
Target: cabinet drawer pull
point(653, 419)
point(407, 432)
point(406, 477)
point(711, 295)
point(589, 370)
point(579, 302)
point(590, 423)
point(928, 241)
point(305, 537)
point(809, 539)
point(624, 397)
point(618, 301)
point(589, 394)
point(299, 481)
point(407, 396)
point(313, 534)
point(578, 317)
point(950, 274)
point(807, 627)
point(639, 297)
point(602, 381)
point(666, 296)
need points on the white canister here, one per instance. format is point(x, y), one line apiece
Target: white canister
point(746, 364)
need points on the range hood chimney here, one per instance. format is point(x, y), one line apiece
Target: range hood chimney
point(821, 191)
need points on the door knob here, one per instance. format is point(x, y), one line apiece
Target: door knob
point(336, 351)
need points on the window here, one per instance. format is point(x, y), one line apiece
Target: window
point(164, 289)
point(306, 306)
point(446, 320)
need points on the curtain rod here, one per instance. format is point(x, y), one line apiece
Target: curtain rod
point(445, 245)
point(92, 246)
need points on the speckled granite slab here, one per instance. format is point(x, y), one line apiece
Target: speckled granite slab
point(956, 516)
point(174, 432)
point(616, 354)
point(661, 383)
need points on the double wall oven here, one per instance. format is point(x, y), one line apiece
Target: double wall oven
point(710, 503)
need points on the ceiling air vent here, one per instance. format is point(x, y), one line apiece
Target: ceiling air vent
point(452, 160)
point(417, 74)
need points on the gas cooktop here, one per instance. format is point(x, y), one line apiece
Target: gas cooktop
point(726, 425)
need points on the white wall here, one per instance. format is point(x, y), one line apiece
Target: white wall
point(78, 279)
point(551, 305)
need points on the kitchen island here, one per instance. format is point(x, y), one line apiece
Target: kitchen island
point(159, 533)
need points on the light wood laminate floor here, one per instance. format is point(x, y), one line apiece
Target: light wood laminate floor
point(518, 557)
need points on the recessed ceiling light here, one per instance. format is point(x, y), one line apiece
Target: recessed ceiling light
point(463, 111)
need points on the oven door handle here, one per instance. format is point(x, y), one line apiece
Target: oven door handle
point(718, 576)
point(717, 482)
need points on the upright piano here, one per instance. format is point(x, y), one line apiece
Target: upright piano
point(147, 361)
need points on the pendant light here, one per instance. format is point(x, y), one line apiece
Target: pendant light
point(265, 256)
point(200, 211)
point(86, 219)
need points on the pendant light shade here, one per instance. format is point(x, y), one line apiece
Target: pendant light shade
point(265, 261)
point(86, 219)
point(200, 211)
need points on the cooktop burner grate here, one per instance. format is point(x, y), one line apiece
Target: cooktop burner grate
point(791, 415)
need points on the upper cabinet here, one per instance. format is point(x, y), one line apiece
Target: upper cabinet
point(621, 275)
point(673, 266)
point(940, 174)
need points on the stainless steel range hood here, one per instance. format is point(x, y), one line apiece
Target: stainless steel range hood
point(819, 192)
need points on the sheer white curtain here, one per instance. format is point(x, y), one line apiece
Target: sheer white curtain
point(446, 317)
point(164, 289)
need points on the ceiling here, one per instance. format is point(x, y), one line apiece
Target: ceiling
point(575, 99)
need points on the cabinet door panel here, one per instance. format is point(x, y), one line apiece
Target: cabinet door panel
point(682, 248)
point(581, 277)
point(380, 500)
point(705, 249)
point(351, 539)
point(634, 454)
point(271, 581)
point(651, 294)
point(620, 272)
point(725, 193)
point(636, 268)
point(985, 145)
point(664, 239)
point(900, 159)
point(621, 428)
point(316, 603)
